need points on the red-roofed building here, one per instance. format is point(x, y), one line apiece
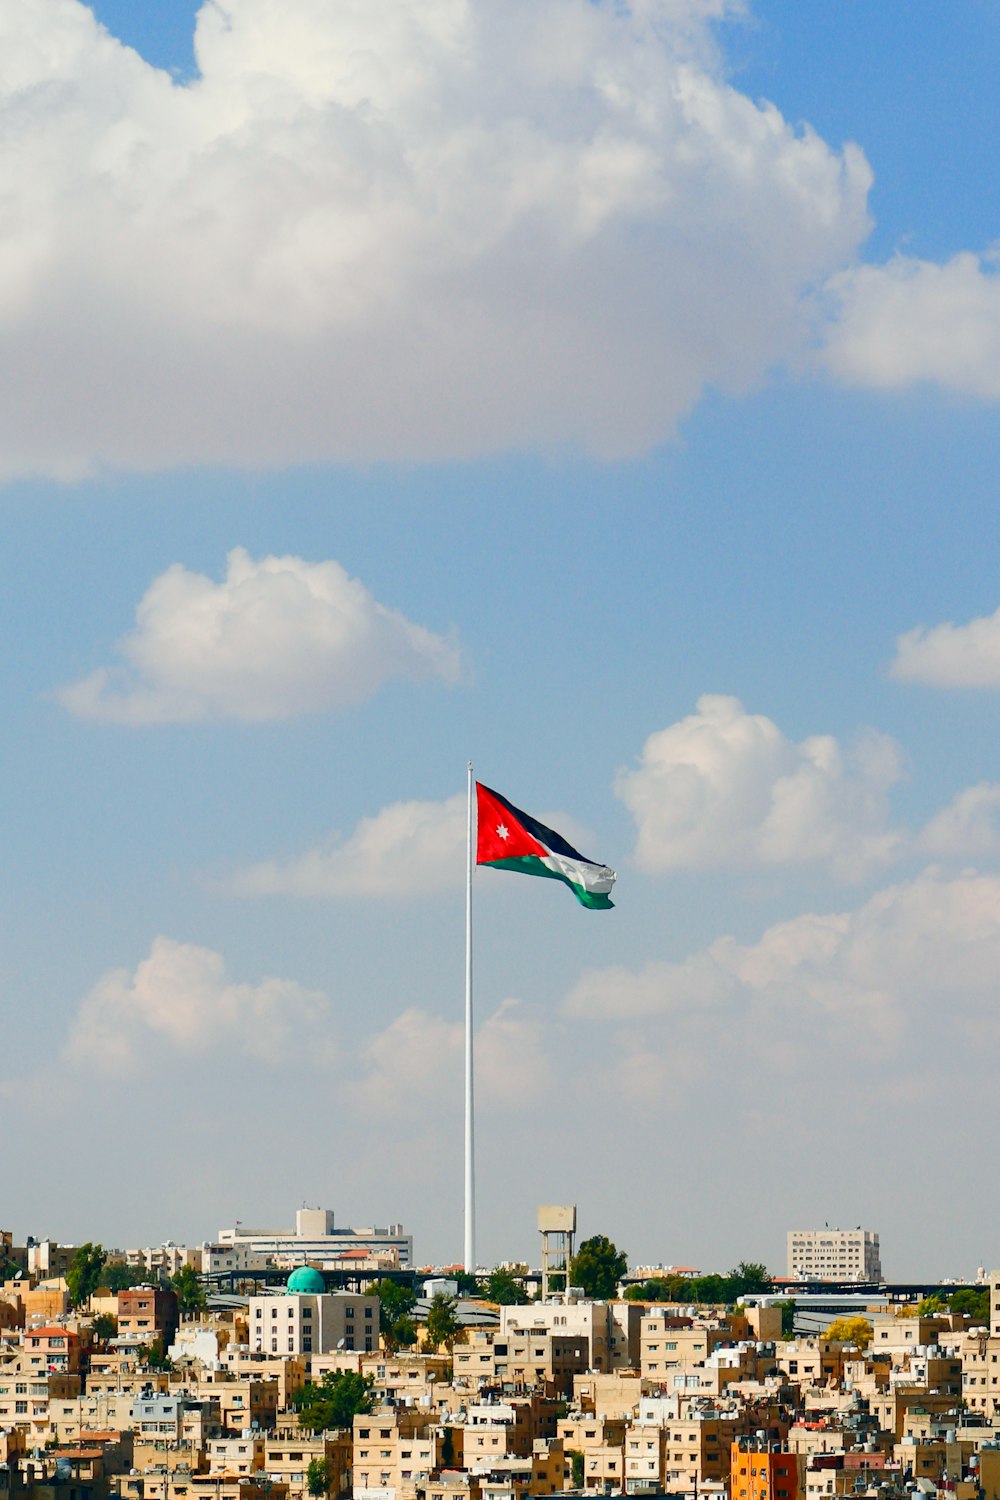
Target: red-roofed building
point(53, 1349)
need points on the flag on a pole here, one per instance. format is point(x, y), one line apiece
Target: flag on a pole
point(509, 839)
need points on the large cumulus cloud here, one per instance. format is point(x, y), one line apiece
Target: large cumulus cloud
point(377, 230)
point(276, 638)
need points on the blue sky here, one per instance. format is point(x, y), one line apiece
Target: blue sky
point(647, 420)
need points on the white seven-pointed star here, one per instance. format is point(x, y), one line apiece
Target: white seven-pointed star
point(503, 832)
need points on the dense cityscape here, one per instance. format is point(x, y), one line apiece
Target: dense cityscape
point(324, 1362)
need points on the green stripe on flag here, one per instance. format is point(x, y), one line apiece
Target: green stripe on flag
point(530, 864)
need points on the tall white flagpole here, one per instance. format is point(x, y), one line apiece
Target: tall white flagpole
point(470, 1131)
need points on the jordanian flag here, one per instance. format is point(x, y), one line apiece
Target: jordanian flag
point(509, 839)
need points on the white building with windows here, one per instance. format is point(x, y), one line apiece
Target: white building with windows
point(316, 1238)
point(307, 1319)
point(834, 1255)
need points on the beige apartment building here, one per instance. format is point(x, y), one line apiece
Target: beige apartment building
point(811, 1439)
point(179, 1484)
point(241, 1403)
point(450, 1484)
point(810, 1361)
point(156, 1454)
point(611, 1329)
point(697, 1451)
point(833, 1255)
point(892, 1408)
point(682, 1445)
point(601, 1441)
point(615, 1395)
point(289, 1373)
point(99, 1410)
point(474, 1363)
point(26, 1396)
point(669, 1345)
point(507, 1429)
point(395, 1448)
point(288, 1454)
point(235, 1455)
point(35, 1304)
point(897, 1336)
point(645, 1449)
point(543, 1359)
point(500, 1430)
point(418, 1379)
point(176, 1418)
point(980, 1356)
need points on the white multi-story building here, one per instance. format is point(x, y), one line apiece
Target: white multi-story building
point(834, 1255)
point(316, 1239)
point(309, 1320)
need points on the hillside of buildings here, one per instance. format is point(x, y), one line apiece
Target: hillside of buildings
point(319, 1363)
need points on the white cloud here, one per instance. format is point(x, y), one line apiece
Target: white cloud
point(969, 826)
point(951, 655)
point(277, 637)
point(407, 849)
point(727, 788)
point(911, 974)
point(420, 1058)
point(512, 1057)
point(914, 320)
point(181, 997)
point(384, 230)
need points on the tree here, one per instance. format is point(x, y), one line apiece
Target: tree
point(787, 1317)
point(404, 1332)
point(396, 1302)
point(504, 1288)
point(118, 1277)
point(856, 1330)
point(340, 1396)
point(598, 1266)
point(971, 1302)
point(318, 1476)
point(104, 1326)
point(157, 1358)
point(83, 1276)
point(576, 1468)
point(190, 1292)
point(712, 1288)
point(750, 1276)
point(442, 1324)
point(660, 1289)
point(745, 1279)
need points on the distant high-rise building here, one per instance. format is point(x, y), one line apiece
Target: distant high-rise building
point(834, 1255)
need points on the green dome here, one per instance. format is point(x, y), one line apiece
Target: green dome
point(306, 1280)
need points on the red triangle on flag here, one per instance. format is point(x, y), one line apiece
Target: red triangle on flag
point(501, 836)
